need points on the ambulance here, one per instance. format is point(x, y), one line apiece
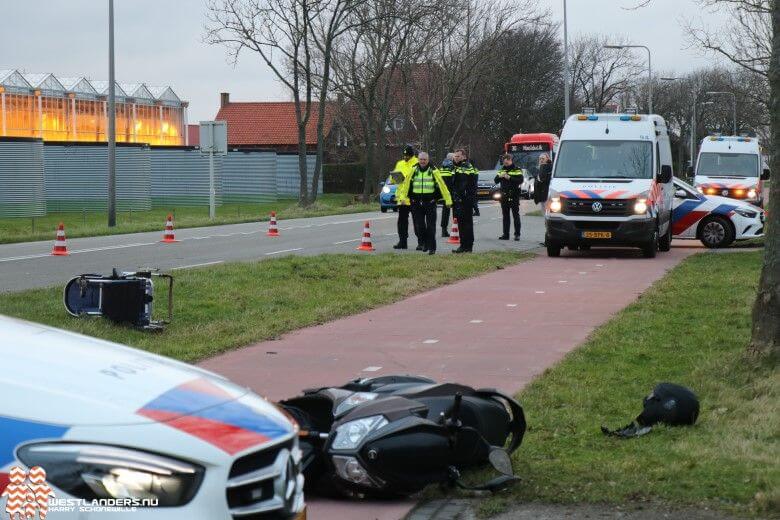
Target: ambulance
point(611, 185)
point(733, 167)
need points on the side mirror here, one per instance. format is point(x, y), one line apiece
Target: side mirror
point(681, 194)
point(666, 174)
point(765, 174)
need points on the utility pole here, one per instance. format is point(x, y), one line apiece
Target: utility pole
point(649, 71)
point(566, 72)
point(111, 120)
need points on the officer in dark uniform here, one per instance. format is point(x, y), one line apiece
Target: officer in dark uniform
point(510, 178)
point(465, 188)
point(446, 174)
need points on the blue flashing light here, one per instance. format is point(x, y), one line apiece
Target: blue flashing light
point(593, 118)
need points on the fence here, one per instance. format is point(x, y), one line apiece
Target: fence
point(75, 177)
point(288, 179)
point(180, 177)
point(21, 178)
point(249, 176)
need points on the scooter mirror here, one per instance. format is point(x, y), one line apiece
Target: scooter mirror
point(500, 460)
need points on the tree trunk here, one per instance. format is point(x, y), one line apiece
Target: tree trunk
point(321, 113)
point(765, 340)
point(303, 198)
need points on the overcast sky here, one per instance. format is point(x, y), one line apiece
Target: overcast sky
point(159, 42)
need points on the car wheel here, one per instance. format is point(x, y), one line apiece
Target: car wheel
point(665, 244)
point(715, 232)
point(553, 249)
point(383, 209)
point(650, 249)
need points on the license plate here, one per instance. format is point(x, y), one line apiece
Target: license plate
point(483, 192)
point(596, 234)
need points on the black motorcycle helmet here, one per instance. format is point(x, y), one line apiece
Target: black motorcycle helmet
point(669, 404)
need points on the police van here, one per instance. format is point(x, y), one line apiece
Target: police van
point(731, 166)
point(611, 184)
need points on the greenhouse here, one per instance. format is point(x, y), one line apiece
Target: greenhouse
point(56, 108)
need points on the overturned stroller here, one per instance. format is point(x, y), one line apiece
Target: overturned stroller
point(391, 436)
point(122, 297)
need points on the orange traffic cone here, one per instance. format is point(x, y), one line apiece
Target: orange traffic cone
point(455, 233)
point(365, 242)
point(60, 248)
point(168, 236)
point(273, 230)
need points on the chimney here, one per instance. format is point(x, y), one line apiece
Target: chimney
point(224, 99)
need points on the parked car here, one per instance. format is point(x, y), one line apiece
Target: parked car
point(716, 221)
point(486, 184)
point(108, 422)
point(526, 188)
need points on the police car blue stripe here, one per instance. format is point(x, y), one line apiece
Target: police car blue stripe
point(685, 208)
point(14, 432)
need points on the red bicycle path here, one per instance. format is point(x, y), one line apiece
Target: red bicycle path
point(497, 330)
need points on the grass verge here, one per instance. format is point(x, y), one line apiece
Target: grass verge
point(691, 328)
point(93, 223)
point(229, 306)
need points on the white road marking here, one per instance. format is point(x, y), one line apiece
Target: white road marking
point(77, 251)
point(347, 241)
point(562, 281)
point(284, 251)
point(430, 341)
point(198, 265)
point(583, 272)
point(511, 305)
point(539, 292)
point(475, 321)
point(371, 369)
point(599, 265)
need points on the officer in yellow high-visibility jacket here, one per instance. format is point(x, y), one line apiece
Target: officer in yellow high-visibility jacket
point(422, 189)
point(405, 166)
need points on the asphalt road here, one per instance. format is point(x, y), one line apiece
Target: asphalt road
point(30, 265)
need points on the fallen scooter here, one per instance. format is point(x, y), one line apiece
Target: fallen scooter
point(391, 436)
point(122, 297)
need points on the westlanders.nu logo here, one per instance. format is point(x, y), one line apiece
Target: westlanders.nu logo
point(30, 497)
point(27, 494)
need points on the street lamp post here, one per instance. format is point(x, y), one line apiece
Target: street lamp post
point(111, 121)
point(733, 107)
point(649, 71)
point(566, 72)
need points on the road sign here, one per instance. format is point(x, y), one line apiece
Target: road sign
point(213, 137)
point(213, 140)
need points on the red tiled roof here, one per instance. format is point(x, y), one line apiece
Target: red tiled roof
point(268, 123)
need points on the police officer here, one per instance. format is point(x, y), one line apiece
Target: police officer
point(509, 178)
point(446, 174)
point(422, 189)
point(405, 166)
point(465, 188)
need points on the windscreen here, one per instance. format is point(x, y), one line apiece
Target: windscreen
point(728, 165)
point(605, 160)
point(487, 175)
point(526, 156)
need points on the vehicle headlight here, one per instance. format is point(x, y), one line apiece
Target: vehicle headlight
point(350, 469)
point(699, 189)
point(745, 213)
point(95, 471)
point(354, 400)
point(386, 189)
point(497, 195)
point(555, 205)
point(751, 194)
point(351, 434)
point(640, 206)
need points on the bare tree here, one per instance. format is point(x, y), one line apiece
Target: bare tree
point(279, 33)
point(601, 76)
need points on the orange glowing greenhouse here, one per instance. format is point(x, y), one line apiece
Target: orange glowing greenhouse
point(55, 108)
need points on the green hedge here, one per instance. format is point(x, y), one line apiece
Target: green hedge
point(343, 178)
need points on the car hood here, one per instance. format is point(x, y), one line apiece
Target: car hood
point(721, 182)
point(617, 189)
point(59, 377)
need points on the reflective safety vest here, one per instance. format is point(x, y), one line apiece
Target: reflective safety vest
point(423, 182)
point(512, 172)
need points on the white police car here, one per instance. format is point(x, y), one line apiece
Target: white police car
point(115, 427)
point(716, 221)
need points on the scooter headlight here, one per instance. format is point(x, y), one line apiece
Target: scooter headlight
point(353, 400)
point(350, 469)
point(94, 471)
point(386, 189)
point(351, 434)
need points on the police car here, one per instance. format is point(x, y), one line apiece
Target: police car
point(146, 436)
point(716, 221)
